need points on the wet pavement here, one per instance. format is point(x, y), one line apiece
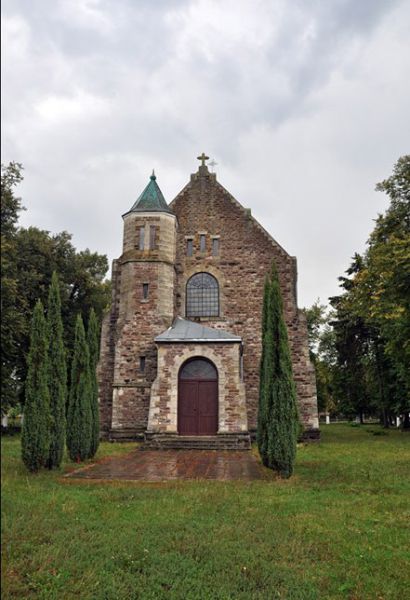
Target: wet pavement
point(171, 465)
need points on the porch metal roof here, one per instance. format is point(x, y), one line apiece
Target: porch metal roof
point(183, 330)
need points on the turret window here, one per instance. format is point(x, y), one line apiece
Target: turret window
point(142, 238)
point(215, 246)
point(142, 364)
point(145, 287)
point(202, 243)
point(202, 296)
point(189, 247)
point(152, 237)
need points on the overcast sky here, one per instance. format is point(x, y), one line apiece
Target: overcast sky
point(303, 104)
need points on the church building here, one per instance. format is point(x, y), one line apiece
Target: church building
point(181, 345)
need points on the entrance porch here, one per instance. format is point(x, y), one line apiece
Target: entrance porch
point(198, 397)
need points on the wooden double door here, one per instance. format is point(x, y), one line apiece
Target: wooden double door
point(198, 399)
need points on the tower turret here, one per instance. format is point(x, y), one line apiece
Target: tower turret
point(143, 301)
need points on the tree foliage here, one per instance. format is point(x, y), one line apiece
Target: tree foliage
point(93, 346)
point(57, 375)
point(29, 257)
point(12, 321)
point(35, 440)
point(322, 351)
point(368, 366)
point(79, 418)
point(384, 285)
point(278, 421)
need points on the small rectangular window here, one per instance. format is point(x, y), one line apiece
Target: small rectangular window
point(142, 238)
point(142, 364)
point(215, 246)
point(145, 291)
point(202, 243)
point(152, 237)
point(189, 247)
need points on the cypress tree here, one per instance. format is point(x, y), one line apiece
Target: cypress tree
point(79, 400)
point(279, 420)
point(262, 438)
point(93, 346)
point(35, 439)
point(57, 375)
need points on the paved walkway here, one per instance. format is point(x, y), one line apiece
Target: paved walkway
point(167, 465)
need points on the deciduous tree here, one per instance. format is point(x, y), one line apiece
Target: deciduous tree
point(372, 321)
point(28, 258)
point(12, 321)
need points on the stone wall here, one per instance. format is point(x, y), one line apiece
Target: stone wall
point(246, 252)
point(225, 356)
point(105, 368)
point(134, 321)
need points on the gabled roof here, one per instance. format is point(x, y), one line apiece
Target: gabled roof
point(202, 173)
point(151, 199)
point(183, 330)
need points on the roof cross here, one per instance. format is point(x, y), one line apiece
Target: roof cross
point(212, 164)
point(203, 158)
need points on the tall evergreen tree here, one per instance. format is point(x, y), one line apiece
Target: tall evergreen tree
point(35, 439)
point(263, 414)
point(28, 258)
point(93, 346)
point(279, 422)
point(57, 375)
point(79, 402)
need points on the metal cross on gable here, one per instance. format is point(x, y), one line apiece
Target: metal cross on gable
point(203, 158)
point(212, 164)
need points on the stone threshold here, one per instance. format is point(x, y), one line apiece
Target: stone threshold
point(126, 434)
point(220, 441)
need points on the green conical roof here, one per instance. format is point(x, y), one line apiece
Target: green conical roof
point(151, 199)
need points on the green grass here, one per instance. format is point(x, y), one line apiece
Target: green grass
point(338, 529)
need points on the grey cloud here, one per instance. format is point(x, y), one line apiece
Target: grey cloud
point(289, 99)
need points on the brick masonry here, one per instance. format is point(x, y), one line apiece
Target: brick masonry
point(133, 401)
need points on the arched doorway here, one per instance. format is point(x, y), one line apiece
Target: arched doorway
point(198, 398)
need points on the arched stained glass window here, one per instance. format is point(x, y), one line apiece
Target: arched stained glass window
point(202, 296)
point(198, 368)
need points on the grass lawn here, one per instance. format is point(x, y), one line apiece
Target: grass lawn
point(338, 529)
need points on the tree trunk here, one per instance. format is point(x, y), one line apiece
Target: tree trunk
point(385, 415)
point(386, 420)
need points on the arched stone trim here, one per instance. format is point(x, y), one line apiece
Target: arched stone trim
point(208, 298)
point(163, 414)
point(182, 376)
point(203, 268)
point(189, 377)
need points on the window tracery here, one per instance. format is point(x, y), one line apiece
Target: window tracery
point(202, 296)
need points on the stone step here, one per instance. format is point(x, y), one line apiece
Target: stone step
point(201, 442)
point(126, 435)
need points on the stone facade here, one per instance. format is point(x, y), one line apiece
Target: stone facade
point(135, 400)
point(232, 417)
